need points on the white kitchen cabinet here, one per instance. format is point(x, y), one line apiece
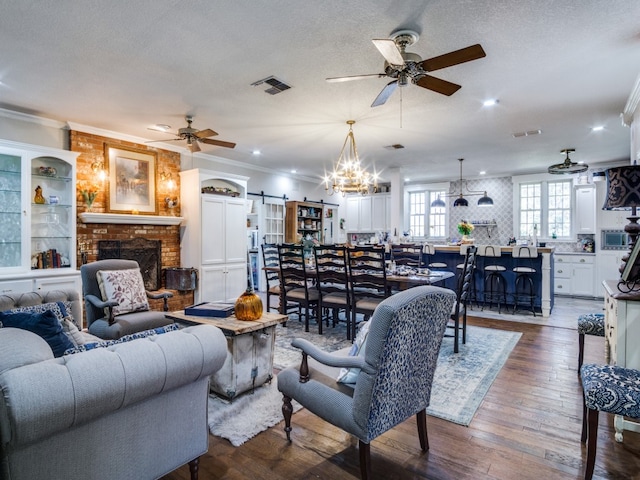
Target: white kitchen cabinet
point(607, 267)
point(213, 239)
point(585, 209)
point(370, 213)
point(38, 218)
point(574, 275)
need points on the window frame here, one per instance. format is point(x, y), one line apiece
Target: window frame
point(426, 189)
point(543, 180)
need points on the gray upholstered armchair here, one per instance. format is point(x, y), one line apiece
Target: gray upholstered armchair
point(115, 299)
point(393, 371)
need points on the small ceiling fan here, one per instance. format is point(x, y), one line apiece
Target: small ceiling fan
point(194, 137)
point(405, 67)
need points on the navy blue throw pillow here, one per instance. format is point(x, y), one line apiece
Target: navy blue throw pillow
point(44, 324)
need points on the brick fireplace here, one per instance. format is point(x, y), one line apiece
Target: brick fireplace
point(89, 235)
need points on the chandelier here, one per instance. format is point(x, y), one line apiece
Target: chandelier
point(348, 175)
point(568, 166)
point(484, 201)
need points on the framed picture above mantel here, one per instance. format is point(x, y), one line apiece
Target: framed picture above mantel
point(132, 180)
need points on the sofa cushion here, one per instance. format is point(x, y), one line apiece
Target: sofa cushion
point(126, 338)
point(349, 375)
point(124, 286)
point(44, 324)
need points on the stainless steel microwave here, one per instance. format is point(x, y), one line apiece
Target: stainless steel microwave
point(614, 240)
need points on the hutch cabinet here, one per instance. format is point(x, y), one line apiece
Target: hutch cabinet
point(214, 207)
point(38, 221)
point(302, 219)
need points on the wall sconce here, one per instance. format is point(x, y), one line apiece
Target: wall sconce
point(98, 169)
point(169, 182)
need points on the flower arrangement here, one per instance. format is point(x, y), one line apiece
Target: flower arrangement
point(89, 194)
point(465, 228)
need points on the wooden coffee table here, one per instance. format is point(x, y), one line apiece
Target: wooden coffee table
point(250, 346)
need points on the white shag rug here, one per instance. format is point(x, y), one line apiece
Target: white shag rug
point(248, 414)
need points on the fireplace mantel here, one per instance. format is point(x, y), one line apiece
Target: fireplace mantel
point(120, 218)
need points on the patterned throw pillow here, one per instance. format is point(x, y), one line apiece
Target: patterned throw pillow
point(45, 324)
point(349, 375)
point(126, 338)
point(61, 310)
point(124, 286)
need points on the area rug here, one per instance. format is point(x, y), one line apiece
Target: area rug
point(247, 415)
point(460, 383)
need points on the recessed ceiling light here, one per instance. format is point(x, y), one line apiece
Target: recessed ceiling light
point(293, 170)
point(490, 103)
point(407, 179)
point(483, 172)
point(163, 127)
point(599, 128)
point(256, 152)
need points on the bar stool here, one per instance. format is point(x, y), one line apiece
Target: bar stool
point(524, 277)
point(495, 285)
point(429, 250)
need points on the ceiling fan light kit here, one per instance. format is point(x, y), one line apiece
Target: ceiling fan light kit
point(406, 67)
point(461, 201)
point(348, 176)
point(568, 166)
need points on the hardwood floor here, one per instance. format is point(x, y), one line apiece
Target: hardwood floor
point(528, 427)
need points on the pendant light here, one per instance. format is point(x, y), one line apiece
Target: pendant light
point(461, 201)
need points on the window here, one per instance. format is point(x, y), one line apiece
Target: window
point(545, 209)
point(425, 220)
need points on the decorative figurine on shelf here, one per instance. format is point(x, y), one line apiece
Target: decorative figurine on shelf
point(39, 198)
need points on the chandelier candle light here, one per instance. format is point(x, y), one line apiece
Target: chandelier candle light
point(348, 175)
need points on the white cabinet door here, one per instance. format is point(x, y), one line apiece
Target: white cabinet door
point(212, 223)
point(586, 209)
point(607, 267)
point(16, 286)
point(212, 284)
point(58, 283)
point(582, 281)
point(236, 281)
point(365, 214)
point(235, 231)
point(352, 216)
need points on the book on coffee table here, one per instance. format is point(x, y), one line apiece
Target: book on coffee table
point(210, 309)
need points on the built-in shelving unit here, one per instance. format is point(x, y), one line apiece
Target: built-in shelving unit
point(303, 219)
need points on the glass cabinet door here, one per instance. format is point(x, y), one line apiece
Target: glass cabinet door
point(11, 218)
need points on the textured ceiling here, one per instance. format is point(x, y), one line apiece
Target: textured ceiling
point(558, 66)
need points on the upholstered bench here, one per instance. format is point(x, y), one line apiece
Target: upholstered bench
point(588, 324)
point(610, 389)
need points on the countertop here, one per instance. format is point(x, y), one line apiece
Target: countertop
point(504, 249)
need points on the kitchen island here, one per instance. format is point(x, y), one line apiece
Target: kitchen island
point(543, 278)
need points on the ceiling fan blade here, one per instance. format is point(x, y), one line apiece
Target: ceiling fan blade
point(219, 143)
point(165, 140)
point(205, 133)
point(438, 85)
point(386, 92)
point(473, 52)
point(193, 146)
point(355, 77)
point(389, 51)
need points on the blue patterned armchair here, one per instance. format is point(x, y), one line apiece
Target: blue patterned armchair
point(393, 371)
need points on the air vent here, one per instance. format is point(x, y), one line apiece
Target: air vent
point(527, 134)
point(277, 86)
point(395, 146)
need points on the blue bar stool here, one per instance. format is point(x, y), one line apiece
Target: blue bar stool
point(495, 285)
point(524, 287)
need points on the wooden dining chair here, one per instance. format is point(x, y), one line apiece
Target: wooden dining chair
point(368, 284)
point(295, 282)
point(332, 283)
point(407, 254)
point(463, 293)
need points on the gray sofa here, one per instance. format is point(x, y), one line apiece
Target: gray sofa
point(135, 410)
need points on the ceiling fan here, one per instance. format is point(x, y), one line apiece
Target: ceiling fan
point(194, 137)
point(405, 67)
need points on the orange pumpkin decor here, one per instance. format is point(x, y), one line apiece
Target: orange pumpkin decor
point(248, 306)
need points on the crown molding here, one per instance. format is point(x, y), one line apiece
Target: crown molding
point(26, 117)
point(632, 104)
